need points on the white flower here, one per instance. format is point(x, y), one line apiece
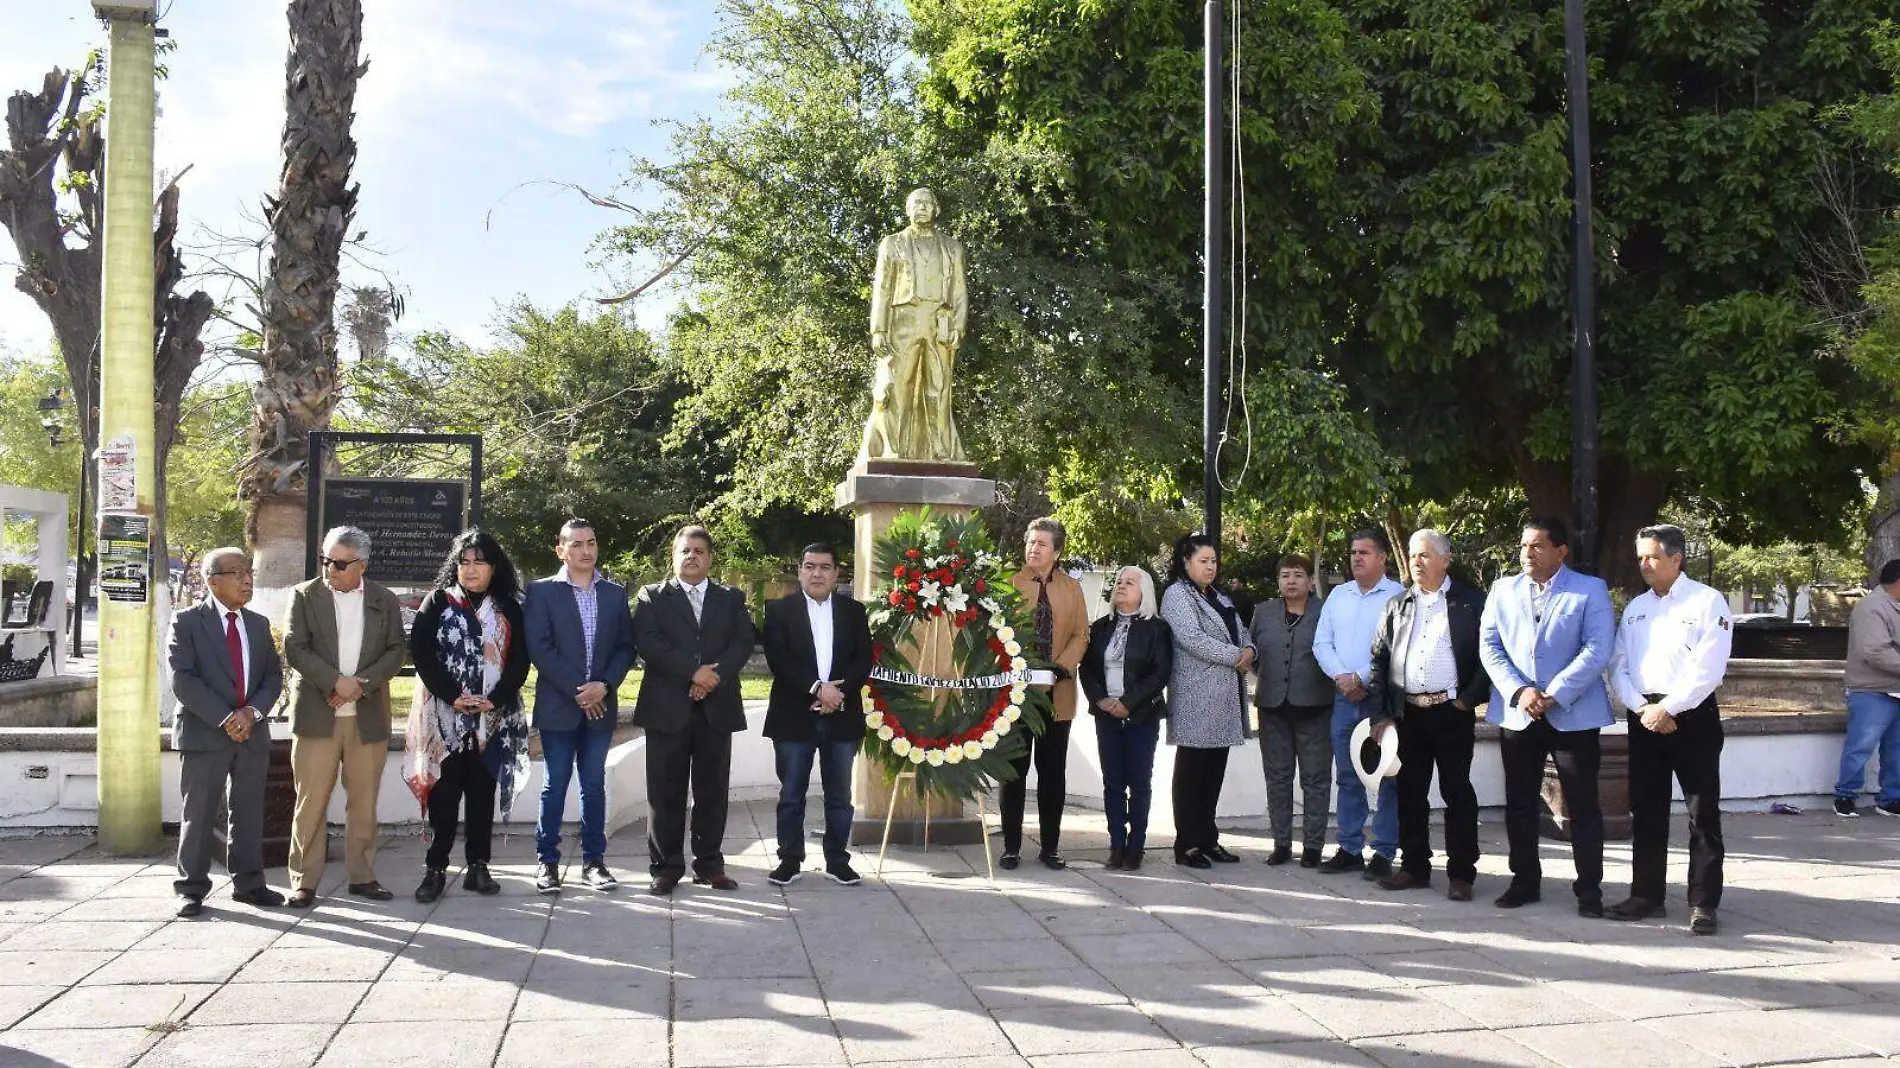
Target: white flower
point(929, 592)
point(988, 604)
point(902, 747)
point(917, 756)
point(880, 617)
point(1013, 648)
point(1006, 634)
point(1001, 728)
point(884, 734)
point(1012, 713)
point(996, 620)
point(1017, 697)
point(955, 599)
point(874, 720)
point(988, 741)
point(1019, 664)
point(953, 755)
point(972, 750)
point(935, 756)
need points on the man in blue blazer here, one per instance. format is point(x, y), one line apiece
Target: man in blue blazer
point(1545, 640)
point(580, 637)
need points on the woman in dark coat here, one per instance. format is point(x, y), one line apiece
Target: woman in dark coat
point(468, 737)
point(1124, 675)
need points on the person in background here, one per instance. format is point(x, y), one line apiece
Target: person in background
point(1295, 698)
point(1873, 697)
point(1125, 676)
point(1343, 646)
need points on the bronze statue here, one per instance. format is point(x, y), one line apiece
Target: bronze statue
point(919, 309)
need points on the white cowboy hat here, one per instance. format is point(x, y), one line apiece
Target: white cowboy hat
point(1388, 757)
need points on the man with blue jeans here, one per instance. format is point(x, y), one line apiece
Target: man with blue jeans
point(1343, 646)
point(1873, 697)
point(580, 637)
point(818, 645)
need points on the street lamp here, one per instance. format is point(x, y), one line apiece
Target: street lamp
point(49, 417)
point(50, 407)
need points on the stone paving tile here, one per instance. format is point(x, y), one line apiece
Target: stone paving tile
point(735, 1043)
point(99, 1047)
point(593, 1043)
point(118, 1006)
point(1112, 951)
point(280, 1045)
point(1524, 1005)
point(1441, 967)
point(336, 964)
point(188, 935)
point(19, 1002)
point(1002, 990)
point(74, 935)
point(715, 999)
point(425, 964)
point(1081, 1029)
point(404, 1045)
point(1789, 987)
point(1234, 1021)
point(1452, 1049)
point(1872, 1026)
point(312, 1003)
point(1621, 1044)
point(1645, 997)
point(921, 1036)
point(1147, 1058)
point(58, 967)
point(594, 999)
point(207, 964)
point(130, 909)
point(1376, 1013)
point(1290, 1055)
point(1317, 975)
point(1756, 1036)
point(970, 956)
point(451, 999)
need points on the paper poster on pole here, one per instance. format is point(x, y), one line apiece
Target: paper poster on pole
point(118, 475)
point(125, 557)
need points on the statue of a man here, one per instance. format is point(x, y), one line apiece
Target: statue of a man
point(919, 308)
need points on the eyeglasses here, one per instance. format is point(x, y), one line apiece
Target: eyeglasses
point(246, 573)
point(336, 565)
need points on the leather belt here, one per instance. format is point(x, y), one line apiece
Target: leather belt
point(1427, 700)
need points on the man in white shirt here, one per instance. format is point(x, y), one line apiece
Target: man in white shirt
point(1671, 654)
point(345, 642)
point(1342, 643)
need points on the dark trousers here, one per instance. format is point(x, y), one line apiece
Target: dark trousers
point(699, 757)
point(1051, 755)
point(203, 776)
point(1439, 737)
point(794, 761)
point(1291, 735)
point(1693, 757)
point(1577, 755)
point(1198, 775)
point(466, 786)
point(1128, 770)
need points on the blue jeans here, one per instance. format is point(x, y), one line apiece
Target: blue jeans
point(564, 751)
point(1352, 802)
point(1873, 721)
point(1128, 771)
point(794, 761)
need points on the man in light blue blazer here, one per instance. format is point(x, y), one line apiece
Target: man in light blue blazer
point(580, 637)
point(1545, 640)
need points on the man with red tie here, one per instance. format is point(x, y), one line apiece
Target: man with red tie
point(226, 675)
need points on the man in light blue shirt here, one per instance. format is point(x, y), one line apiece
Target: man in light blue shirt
point(1343, 645)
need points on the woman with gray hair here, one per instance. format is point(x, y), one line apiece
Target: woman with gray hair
point(1124, 675)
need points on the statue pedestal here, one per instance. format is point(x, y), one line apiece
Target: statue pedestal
point(875, 492)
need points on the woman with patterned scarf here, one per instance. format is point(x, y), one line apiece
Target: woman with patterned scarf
point(468, 738)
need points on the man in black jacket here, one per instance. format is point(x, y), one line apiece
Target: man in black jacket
point(819, 646)
point(1427, 678)
point(695, 636)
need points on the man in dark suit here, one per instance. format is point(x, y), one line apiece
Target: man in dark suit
point(225, 674)
point(695, 636)
point(819, 646)
point(1427, 678)
point(345, 642)
point(580, 637)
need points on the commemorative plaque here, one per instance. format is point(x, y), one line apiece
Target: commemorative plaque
point(410, 522)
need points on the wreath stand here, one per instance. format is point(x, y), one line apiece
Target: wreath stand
point(890, 809)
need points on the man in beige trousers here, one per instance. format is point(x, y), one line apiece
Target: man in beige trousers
point(345, 642)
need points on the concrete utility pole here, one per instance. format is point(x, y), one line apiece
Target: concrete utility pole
point(128, 485)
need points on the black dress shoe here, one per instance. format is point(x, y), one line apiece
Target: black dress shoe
point(1590, 908)
point(263, 897)
point(1193, 858)
point(1635, 908)
point(1309, 858)
point(722, 881)
point(1341, 861)
point(477, 880)
point(191, 908)
point(1281, 854)
point(1219, 852)
point(1377, 868)
point(1008, 861)
point(662, 885)
point(301, 899)
point(372, 890)
point(1053, 861)
point(1114, 859)
point(434, 881)
point(1132, 862)
point(1702, 921)
point(1515, 896)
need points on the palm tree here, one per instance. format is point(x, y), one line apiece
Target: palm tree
point(309, 218)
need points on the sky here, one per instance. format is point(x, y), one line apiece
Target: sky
point(464, 101)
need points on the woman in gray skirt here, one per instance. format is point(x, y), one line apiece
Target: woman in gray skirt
point(1295, 699)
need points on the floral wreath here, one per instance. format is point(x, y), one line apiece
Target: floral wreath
point(929, 568)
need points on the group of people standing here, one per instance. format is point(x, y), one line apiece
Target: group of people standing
point(1538, 658)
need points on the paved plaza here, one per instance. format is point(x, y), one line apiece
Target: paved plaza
point(1244, 966)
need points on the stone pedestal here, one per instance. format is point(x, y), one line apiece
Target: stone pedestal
point(875, 492)
point(1613, 793)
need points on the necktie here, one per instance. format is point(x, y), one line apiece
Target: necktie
point(696, 596)
point(1045, 620)
point(234, 642)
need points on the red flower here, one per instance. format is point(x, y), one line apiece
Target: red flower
point(877, 648)
point(952, 543)
point(914, 554)
point(897, 597)
point(898, 571)
point(910, 604)
point(913, 586)
point(981, 586)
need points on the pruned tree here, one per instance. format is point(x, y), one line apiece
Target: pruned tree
point(309, 219)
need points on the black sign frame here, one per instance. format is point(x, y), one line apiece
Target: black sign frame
point(323, 446)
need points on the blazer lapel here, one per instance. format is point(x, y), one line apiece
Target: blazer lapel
point(261, 646)
point(802, 633)
point(323, 606)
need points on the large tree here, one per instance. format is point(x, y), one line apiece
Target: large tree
point(309, 218)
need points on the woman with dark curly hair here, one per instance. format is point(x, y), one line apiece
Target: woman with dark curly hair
point(1207, 695)
point(468, 738)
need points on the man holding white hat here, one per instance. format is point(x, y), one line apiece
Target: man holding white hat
point(1427, 679)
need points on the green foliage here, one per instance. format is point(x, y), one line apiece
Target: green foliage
point(26, 457)
point(1781, 569)
point(202, 507)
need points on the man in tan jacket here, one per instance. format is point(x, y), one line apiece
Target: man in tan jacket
point(1061, 622)
point(345, 642)
point(1873, 698)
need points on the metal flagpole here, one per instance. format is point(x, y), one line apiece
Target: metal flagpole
point(1214, 221)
